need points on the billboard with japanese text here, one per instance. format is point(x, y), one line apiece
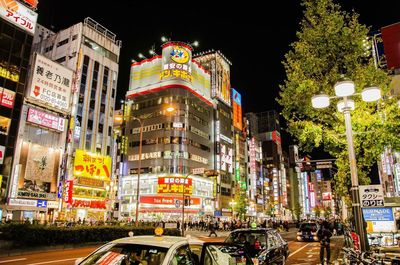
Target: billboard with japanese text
point(90, 165)
point(177, 62)
point(174, 185)
point(7, 98)
point(51, 83)
point(19, 15)
point(237, 110)
point(45, 119)
point(219, 68)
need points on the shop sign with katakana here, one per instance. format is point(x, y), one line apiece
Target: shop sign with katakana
point(51, 83)
point(16, 13)
point(174, 185)
point(90, 165)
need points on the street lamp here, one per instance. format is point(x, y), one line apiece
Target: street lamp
point(344, 90)
point(169, 109)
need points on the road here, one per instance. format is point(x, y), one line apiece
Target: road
point(301, 253)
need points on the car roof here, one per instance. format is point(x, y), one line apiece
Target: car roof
point(252, 230)
point(157, 241)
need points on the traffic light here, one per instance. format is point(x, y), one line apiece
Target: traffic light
point(187, 200)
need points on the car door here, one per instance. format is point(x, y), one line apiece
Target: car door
point(221, 253)
point(274, 250)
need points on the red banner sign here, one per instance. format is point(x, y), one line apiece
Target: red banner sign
point(174, 185)
point(166, 200)
point(69, 186)
point(89, 204)
point(7, 98)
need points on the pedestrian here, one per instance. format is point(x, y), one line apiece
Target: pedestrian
point(211, 227)
point(324, 236)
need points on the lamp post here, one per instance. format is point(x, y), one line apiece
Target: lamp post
point(183, 205)
point(139, 169)
point(344, 90)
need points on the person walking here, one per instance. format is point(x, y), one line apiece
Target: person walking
point(324, 236)
point(211, 227)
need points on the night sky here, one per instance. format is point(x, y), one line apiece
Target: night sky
point(252, 36)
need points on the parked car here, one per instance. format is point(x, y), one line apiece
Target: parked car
point(308, 231)
point(265, 244)
point(166, 250)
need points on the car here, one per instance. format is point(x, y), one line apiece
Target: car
point(264, 244)
point(308, 231)
point(166, 250)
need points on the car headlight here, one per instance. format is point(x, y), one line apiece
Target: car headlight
point(299, 233)
point(314, 233)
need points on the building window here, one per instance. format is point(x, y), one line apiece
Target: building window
point(61, 60)
point(61, 43)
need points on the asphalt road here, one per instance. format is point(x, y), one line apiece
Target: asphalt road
point(301, 253)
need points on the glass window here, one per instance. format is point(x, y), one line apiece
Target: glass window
point(127, 254)
point(182, 256)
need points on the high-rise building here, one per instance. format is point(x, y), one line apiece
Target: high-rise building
point(92, 52)
point(15, 46)
point(169, 130)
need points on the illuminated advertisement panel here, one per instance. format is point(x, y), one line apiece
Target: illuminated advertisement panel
point(40, 171)
point(237, 109)
point(51, 83)
point(90, 165)
point(145, 73)
point(4, 125)
point(16, 13)
point(7, 98)
point(174, 185)
point(47, 120)
point(167, 200)
point(177, 62)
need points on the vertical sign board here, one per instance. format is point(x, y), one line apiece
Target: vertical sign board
point(237, 110)
point(69, 185)
point(2, 153)
point(371, 196)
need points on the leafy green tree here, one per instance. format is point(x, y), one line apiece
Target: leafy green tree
point(240, 204)
point(331, 46)
point(297, 210)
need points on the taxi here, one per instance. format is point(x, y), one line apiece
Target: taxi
point(166, 250)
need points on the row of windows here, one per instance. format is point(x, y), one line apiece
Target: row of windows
point(100, 49)
point(169, 126)
point(170, 100)
point(169, 155)
point(170, 140)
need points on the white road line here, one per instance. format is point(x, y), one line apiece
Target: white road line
point(52, 261)
point(12, 260)
point(299, 249)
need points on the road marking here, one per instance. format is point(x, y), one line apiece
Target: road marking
point(12, 260)
point(52, 261)
point(299, 249)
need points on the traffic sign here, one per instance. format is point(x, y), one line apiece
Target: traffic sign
point(371, 196)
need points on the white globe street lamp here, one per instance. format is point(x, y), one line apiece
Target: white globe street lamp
point(345, 89)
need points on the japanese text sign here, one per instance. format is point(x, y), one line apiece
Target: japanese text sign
point(237, 109)
point(371, 196)
point(69, 186)
point(176, 62)
point(7, 98)
point(92, 165)
point(378, 214)
point(174, 185)
point(46, 120)
point(19, 15)
point(51, 83)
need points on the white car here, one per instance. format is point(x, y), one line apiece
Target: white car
point(166, 250)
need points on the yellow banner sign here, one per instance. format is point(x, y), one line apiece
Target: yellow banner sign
point(90, 165)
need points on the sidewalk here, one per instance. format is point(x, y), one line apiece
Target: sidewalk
point(336, 251)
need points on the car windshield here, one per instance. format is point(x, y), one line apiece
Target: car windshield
point(254, 239)
point(124, 254)
point(308, 227)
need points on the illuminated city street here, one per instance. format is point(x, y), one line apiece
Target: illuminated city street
point(199, 133)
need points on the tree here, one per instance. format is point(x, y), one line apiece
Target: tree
point(240, 204)
point(297, 210)
point(330, 47)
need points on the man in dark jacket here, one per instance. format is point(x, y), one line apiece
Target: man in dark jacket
point(324, 236)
